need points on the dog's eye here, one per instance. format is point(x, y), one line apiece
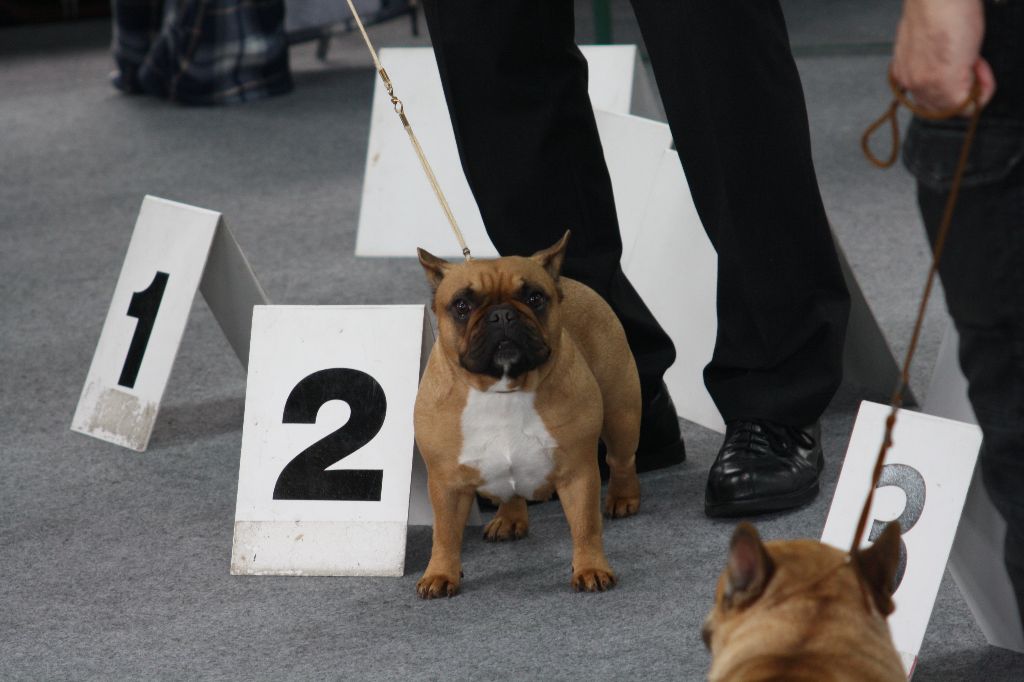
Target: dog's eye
point(462, 308)
point(536, 299)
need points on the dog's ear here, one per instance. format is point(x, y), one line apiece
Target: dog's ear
point(433, 266)
point(552, 257)
point(749, 568)
point(877, 566)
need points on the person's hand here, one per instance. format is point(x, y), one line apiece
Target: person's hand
point(937, 52)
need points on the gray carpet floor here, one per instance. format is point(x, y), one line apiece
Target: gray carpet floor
point(114, 564)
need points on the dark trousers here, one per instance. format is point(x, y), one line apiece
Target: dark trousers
point(516, 86)
point(982, 273)
point(982, 267)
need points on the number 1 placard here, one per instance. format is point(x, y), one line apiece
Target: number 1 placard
point(175, 249)
point(327, 440)
point(145, 322)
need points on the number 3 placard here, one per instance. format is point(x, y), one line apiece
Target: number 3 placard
point(327, 441)
point(923, 486)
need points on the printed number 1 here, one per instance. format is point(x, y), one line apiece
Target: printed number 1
point(144, 306)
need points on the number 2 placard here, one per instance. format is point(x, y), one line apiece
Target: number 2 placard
point(327, 441)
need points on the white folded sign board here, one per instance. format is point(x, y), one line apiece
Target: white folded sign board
point(674, 268)
point(171, 247)
point(618, 83)
point(327, 440)
point(635, 150)
point(924, 484)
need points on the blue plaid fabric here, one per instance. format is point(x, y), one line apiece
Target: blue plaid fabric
point(201, 51)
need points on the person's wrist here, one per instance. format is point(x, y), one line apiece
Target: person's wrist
point(944, 4)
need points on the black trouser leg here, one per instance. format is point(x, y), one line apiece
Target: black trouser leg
point(736, 109)
point(982, 267)
point(516, 87)
point(982, 272)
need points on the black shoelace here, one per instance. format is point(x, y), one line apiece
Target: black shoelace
point(764, 436)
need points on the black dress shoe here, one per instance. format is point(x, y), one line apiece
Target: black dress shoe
point(764, 467)
point(661, 444)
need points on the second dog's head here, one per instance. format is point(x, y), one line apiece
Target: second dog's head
point(499, 321)
point(776, 597)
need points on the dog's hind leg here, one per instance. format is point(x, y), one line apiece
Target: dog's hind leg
point(510, 522)
point(621, 435)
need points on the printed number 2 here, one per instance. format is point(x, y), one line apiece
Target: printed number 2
point(305, 478)
point(909, 480)
point(144, 306)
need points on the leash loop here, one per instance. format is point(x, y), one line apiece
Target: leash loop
point(900, 98)
point(865, 140)
point(400, 110)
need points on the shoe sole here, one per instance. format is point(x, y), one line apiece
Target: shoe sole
point(762, 505)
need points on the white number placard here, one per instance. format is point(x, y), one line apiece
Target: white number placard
point(923, 486)
point(327, 440)
point(174, 249)
point(145, 322)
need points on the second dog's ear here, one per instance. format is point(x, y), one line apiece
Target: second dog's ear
point(878, 564)
point(552, 257)
point(749, 568)
point(433, 266)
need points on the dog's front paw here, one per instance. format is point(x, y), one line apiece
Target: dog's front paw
point(434, 585)
point(593, 580)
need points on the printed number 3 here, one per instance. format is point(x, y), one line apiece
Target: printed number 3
point(305, 478)
point(909, 480)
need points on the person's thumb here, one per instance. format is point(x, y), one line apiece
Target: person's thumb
point(986, 79)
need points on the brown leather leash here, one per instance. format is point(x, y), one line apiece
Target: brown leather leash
point(900, 99)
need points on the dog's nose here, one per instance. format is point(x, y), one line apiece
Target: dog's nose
point(502, 315)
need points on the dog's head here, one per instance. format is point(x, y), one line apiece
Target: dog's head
point(760, 577)
point(499, 321)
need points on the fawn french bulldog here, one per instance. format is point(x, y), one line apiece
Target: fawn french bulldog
point(529, 370)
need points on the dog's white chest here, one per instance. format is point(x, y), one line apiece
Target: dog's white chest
point(504, 438)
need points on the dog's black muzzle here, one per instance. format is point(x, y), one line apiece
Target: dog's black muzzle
point(506, 345)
